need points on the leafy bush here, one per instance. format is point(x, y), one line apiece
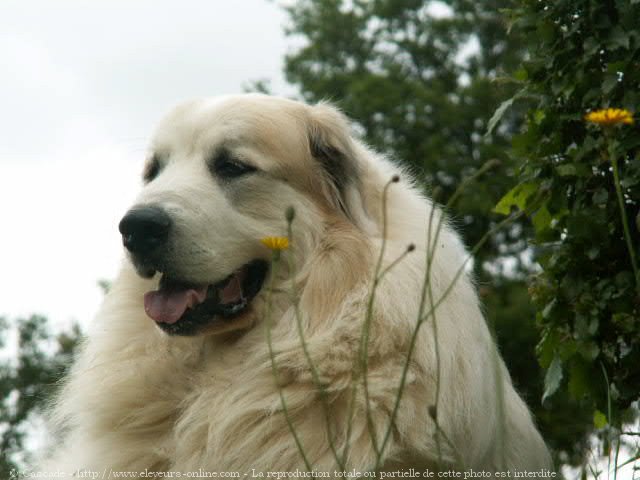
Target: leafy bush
point(581, 186)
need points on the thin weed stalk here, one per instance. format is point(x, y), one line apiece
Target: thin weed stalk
point(623, 212)
point(609, 419)
point(434, 325)
point(314, 371)
point(364, 339)
point(275, 262)
point(615, 460)
point(499, 381)
point(629, 461)
point(474, 250)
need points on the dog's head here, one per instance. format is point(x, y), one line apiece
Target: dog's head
point(220, 175)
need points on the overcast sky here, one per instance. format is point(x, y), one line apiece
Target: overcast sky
point(82, 85)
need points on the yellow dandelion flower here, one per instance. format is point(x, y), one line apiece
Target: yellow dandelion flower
point(610, 116)
point(276, 243)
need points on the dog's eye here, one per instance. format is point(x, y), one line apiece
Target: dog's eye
point(228, 167)
point(151, 169)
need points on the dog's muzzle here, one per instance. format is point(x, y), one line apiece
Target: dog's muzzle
point(181, 305)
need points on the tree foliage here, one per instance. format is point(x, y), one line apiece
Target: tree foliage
point(423, 80)
point(27, 380)
point(581, 184)
point(408, 73)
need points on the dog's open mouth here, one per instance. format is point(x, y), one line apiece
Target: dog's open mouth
point(181, 308)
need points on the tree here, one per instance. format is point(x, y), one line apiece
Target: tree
point(423, 81)
point(27, 381)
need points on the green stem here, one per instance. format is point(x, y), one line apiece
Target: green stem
point(609, 419)
point(275, 261)
point(623, 214)
point(436, 345)
point(322, 391)
point(363, 352)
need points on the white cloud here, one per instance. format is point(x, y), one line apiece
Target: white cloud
point(34, 90)
point(63, 216)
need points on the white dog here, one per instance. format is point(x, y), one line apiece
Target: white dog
point(177, 374)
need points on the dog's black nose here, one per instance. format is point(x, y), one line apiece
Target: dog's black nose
point(144, 229)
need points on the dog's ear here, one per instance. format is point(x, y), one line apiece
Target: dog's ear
point(332, 146)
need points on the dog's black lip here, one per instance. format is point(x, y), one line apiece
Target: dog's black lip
point(167, 281)
point(210, 311)
point(145, 270)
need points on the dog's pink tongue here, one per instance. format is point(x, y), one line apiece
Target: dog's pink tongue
point(168, 305)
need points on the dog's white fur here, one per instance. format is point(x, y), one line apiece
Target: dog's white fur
point(138, 399)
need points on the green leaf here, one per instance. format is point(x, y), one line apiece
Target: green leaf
point(610, 82)
point(589, 351)
point(615, 67)
point(566, 170)
point(593, 325)
point(521, 74)
point(553, 378)
point(548, 308)
point(539, 116)
point(516, 197)
point(542, 219)
point(579, 380)
point(498, 114)
point(546, 347)
point(593, 252)
point(581, 327)
point(599, 419)
point(600, 196)
point(618, 38)
point(591, 46)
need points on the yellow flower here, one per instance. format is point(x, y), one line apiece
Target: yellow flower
point(275, 243)
point(610, 116)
